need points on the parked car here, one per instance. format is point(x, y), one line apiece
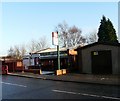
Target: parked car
point(4, 69)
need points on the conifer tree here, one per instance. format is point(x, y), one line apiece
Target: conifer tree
point(106, 32)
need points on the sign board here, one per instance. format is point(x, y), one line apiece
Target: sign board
point(54, 38)
point(95, 53)
point(35, 55)
point(19, 64)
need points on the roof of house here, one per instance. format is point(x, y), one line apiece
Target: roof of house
point(55, 49)
point(99, 43)
point(50, 50)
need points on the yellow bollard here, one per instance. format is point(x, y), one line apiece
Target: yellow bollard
point(40, 71)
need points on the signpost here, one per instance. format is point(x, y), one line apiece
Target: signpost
point(55, 41)
point(55, 38)
point(58, 54)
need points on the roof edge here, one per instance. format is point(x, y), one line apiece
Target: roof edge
point(98, 43)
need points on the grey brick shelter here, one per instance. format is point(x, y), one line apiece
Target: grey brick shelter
point(99, 58)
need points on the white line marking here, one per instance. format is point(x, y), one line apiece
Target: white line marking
point(84, 94)
point(13, 84)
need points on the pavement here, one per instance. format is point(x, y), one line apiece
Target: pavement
point(73, 77)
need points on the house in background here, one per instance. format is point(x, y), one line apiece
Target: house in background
point(13, 64)
point(99, 58)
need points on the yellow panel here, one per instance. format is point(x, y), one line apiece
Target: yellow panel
point(72, 52)
point(19, 64)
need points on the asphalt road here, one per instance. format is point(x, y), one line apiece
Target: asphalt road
point(14, 87)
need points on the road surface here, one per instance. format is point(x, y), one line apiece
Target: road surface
point(14, 87)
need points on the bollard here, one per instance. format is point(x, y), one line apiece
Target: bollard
point(58, 72)
point(40, 71)
point(63, 71)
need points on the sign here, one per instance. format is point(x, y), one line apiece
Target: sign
point(35, 55)
point(95, 53)
point(54, 38)
point(19, 64)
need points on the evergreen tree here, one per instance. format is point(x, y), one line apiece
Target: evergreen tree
point(107, 32)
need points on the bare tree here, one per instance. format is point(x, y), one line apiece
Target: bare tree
point(62, 29)
point(92, 37)
point(69, 36)
point(11, 52)
point(23, 50)
point(75, 36)
point(36, 45)
point(42, 43)
point(17, 52)
point(32, 46)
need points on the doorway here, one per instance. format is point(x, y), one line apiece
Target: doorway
point(101, 62)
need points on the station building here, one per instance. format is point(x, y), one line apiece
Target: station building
point(46, 59)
